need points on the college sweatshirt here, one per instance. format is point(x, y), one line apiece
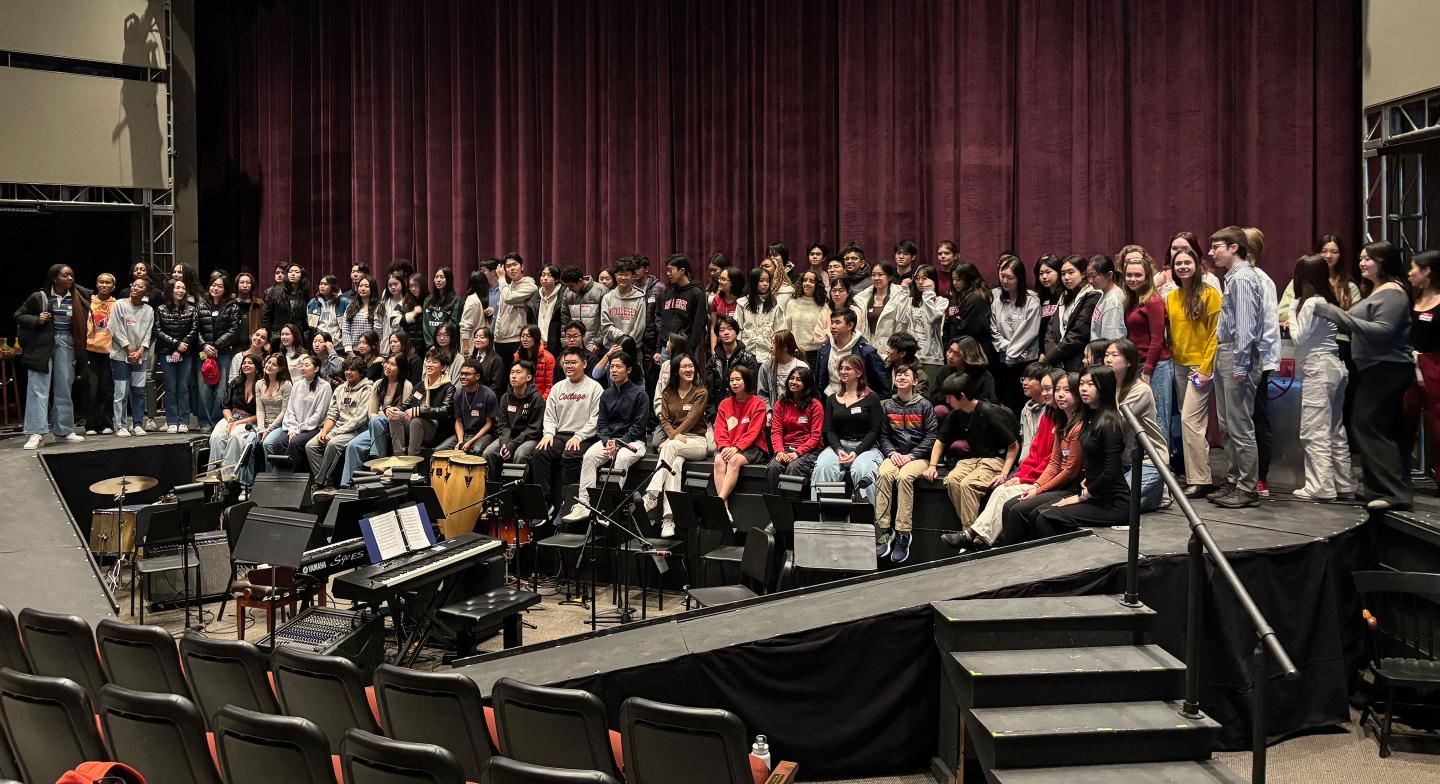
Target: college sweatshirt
point(622, 313)
point(573, 408)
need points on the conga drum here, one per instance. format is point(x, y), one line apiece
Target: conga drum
point(459, 482)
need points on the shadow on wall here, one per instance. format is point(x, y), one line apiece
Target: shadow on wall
point(139, 114)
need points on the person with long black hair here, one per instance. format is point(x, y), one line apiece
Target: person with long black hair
point(1123, 359)
point(969, 310)
point(1015, 324)
point(804, 311)
point(884, 306)
point(797, 429)
point(1056, 410)
point(682, 419)
point(402, 312)
point(472, 310)
point(53, 328)
point(1422, 401)
point(442, 306)
point(1104, 497)
point(1379, 328)
point(760, 314)
point(1107, 321)
point(250, 307)
point(236, 428)
point(218, 329)
point(176, 336)
point(1069, 329)
point(364, 313)
point(1322, 390)
point(305, 412)
point(1047, 289)
point(285, 304)
point(927, 324)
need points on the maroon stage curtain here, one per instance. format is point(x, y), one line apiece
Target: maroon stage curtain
point(445, 131)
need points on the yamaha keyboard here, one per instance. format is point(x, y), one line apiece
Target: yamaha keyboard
point(415, 570)
point(321, 563)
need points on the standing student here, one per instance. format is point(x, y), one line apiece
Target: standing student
point(682, 420)
point(760, 314)
point(905, 252)
point(1379, 328)
point(473, 307)
point(816, 256)
point(946, 254)
point(176, 336)
point(1269, 358)
point(441, 305)
point(969, 310)
point(729, 354)
point(99, 388)
point(1238, 365)
point(990, 428)
point(804, 311)
point(250, 307)
point(927, 324)
point(620, 431)
point(552, 305)
point(403, 312)
point(777, 263)
point(512, 312)
point(1107, 321)
point(364, 313)
point(1145, 326)
point(517, 420)
point(568, 429)
point(1104, 497)
point(305, 410)
point(884, 306)
point(839, 300)
point(132, 322)
point(906, 438)
point(729, 288)
point(583, 304)
point(1015, 326)
point(857, 269)
point(1070, 326)
point(1193, 311)
point(475, 410)
point(1034, 457)
point(1422, 400)
point(285, 303)
point(853, 418)
point(1322, 390)
point(622, 310)
point(358, 271)
point(1047, 289)
point(322, 314)
point(218, 329)
point(797, 429)
point(416, 423)
point(739, 431)
point(53, 323)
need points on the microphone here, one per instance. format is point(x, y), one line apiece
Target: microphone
point(858, 496)
point(624, 445)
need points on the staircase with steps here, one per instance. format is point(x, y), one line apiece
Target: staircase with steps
point(1065, 689)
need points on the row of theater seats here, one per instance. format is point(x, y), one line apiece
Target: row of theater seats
point(208, 711)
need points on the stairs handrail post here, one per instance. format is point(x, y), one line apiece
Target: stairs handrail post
point(1194, 629)
point(1259, 684)
point(1132, 562)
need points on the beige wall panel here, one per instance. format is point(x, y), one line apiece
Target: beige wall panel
point(1400, 53)
point(111, 31)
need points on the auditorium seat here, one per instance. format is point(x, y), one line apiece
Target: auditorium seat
point(668, 743)
point(142, 658)
point(757, 565)
point(12, 652)
point(226, 672)
point(62, 646)
point(50, 724)
point(529, 718)
point(161, 735)
point(503, 770)
point(444, 708)
point(328, 690)
point(270, 749)
point(366, 758)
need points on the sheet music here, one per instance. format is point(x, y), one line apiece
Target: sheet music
point(417, 533)
point(389, 539)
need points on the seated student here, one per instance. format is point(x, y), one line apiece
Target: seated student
point(739, 431)
point(475, 406)
point(624, 410)
point(1123, 358)
point(236, 429)
point(990, 430)
point(416, 422)
point(572, 414)
point(853, 417)
point(349, 414)
point(902, 349)
point(1060, 477)
point(1104, 497)
point(517, 422)
point(905, 439)
point(1034, 462)
point(682, 420)
point(845, 341)
point(374, 441)
point(1037, 405)
point(797, 429)
point(304, 413)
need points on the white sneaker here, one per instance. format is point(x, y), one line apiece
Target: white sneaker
point(244, 495)
point(35, 441)
point(576, 514)
point(139, 431)
point(184, 428)
point(667, 528)
point(150, 426)
point(91, 433)
point(107, 431)
point(172, 429)
point(123, 433)
point(74, 438)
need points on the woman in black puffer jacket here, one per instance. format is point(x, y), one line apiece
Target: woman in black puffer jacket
point(218, 322)
point(285, 304)
point(176, 335)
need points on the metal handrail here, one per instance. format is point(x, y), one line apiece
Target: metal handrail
point(1267, 648)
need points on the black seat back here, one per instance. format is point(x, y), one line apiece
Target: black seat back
point(366, 758)
point(49, 723)
point(233, 521)
point(1403, 618)
point(504, 770)
point(667, 743)
point(62, 646)
point(226, 672)
point(160, 734)
point(327, 690)
point(140, 658)
point(271, 749)
point(528, 719)
point(12, 652)
point(443, 708)
point(758, 560)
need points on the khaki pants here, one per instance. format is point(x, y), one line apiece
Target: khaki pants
point(991, 520)
point(886, 481)
point(1194, 422)
point(968, 482)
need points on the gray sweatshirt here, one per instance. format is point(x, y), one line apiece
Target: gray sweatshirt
point(573, 408)
point(350, 407)
point(622, 314)
point(1108, 320)
point(512, 311)
point(307, 408)
point(130, 325)
point(1379, 327)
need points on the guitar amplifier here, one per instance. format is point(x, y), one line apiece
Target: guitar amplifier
point(211, 569)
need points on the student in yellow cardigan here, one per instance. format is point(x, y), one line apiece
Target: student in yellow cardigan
point(1193, 310)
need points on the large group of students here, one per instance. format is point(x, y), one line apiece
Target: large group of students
point(831, 368)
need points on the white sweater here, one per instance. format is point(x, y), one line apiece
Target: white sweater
point(573, 408)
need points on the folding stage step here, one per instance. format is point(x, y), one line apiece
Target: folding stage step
point(1038, 622)
point(1189, 772)
point(1110, 732)
point(1056, 676)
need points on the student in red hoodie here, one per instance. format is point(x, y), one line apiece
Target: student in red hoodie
point(532, 348)
point(739, 431)
point(797, 428)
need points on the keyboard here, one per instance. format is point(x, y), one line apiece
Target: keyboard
point(323, 562)
point(414, 570)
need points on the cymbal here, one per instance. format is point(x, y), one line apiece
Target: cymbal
point(124, 484)
point(395, 461)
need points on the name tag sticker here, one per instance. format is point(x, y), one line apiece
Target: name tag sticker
point(511, 409)
point(1427, 317)
point(855, 409)
point(686, 407)
point(474, 412)
point(802, 420)
point(745, 421)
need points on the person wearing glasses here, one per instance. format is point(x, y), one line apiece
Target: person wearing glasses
point(1238, 365)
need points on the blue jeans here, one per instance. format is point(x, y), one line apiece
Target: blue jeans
point(865, 465)
point(52, 386)
point(177, 389)
point(129, 383)
point(229, 448)
point(1151, 487)
point(277, 443)
point(375, 438)
point(212, 397)
point(1162, 383)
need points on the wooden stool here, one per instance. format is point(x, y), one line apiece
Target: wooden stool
point(284, 595)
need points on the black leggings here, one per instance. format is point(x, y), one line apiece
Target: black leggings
point(1114, 510)
point(1263, 437)
point(1019, 516)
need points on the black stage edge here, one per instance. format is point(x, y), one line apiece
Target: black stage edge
point(844, 678)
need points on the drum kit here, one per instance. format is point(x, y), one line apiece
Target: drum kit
point(112, 530)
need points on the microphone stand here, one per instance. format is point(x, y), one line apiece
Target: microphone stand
point(624, 611)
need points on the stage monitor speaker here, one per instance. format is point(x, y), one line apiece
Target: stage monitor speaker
point(282, 490)
point(211, 569)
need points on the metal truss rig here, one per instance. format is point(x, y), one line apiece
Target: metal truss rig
point(1393, 169)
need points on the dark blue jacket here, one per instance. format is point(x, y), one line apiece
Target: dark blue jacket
point(624, 412)
point(875, 374)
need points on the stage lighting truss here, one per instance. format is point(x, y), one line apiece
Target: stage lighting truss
point(1397, 148)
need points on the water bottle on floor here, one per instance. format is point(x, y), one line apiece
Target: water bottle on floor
point(761, 750)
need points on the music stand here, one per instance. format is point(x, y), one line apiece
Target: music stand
point(274, 537)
